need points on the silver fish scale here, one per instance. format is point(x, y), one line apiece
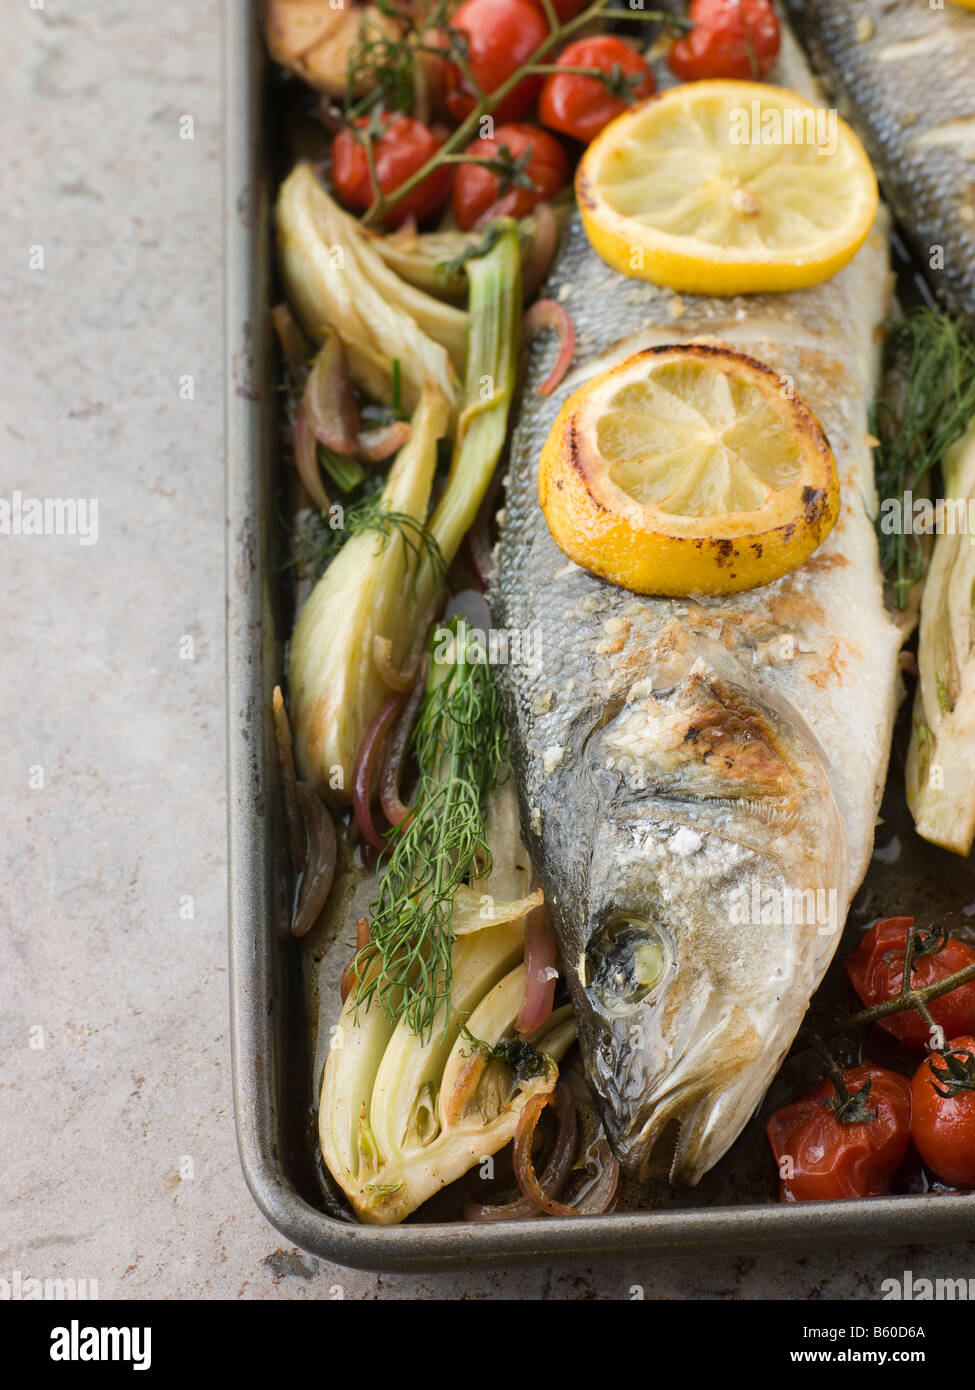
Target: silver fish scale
point(904, 76)
point(639, 838)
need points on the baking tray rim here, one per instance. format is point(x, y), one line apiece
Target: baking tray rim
point(254, 949)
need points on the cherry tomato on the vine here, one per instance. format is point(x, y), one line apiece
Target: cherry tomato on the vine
point(403, 147)
point(502, 36)
point(477, 191)
point(943, 1112)
point(581, 106)
point(876, 972)
point(830, 1146)
point(730, 38)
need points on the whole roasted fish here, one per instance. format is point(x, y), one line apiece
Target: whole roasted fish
point(699, 779)
point(904, 74)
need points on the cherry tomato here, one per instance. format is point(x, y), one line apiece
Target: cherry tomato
point(822, 1155)
point(943, 1112)
point(503, 35)
point(404, 146)
point(477, 191)
point(581, 106)
point(564, 9)
point(730, 38)
point(876, 978)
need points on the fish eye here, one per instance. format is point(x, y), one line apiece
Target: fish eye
point(624, 962)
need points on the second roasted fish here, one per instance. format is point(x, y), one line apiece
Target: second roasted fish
point(904, 74)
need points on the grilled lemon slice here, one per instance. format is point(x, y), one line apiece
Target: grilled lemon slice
point(727, 188)
point(688, 470)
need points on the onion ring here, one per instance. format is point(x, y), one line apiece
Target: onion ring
point(556, 1170)
point(306, 460)
point(389, 784)
point(317, 878)
point(376, 445)
point(329, 399)
point(541, 955)
point(524, 1168)
point(369, 750)
point(546, 315)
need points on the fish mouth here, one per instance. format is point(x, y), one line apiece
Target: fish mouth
point(677, 1067)
point(696, 1110)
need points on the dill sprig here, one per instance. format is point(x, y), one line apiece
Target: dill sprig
point(315, 541)
point(461, 750)
point(932, 359)
point(415, 535)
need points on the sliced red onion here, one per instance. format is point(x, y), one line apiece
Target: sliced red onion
point(329, 400)
point(528, 1181)
point(389, 785)
point(546, 315)
point(366, 763)
point(350, 976)
point(554, 1175)
point(382, 655)
point(376, 445)
point(319, 871)
point(544, 244)
point(306, 460)
point(541, 956)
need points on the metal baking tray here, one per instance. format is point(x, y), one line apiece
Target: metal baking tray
point(276, 1010)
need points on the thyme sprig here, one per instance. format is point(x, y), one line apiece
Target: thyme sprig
point(931, 358)
point(461, 750)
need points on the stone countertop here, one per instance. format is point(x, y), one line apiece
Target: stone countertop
point(120, 1163)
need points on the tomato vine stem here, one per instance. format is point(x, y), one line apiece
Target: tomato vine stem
point(487, 103)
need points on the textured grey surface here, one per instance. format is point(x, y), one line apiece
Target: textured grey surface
point(118, 1162)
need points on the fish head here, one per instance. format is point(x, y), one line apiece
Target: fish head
point(711, 809)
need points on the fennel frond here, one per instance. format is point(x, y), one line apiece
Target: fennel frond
point(461, 748)
point(932, 358)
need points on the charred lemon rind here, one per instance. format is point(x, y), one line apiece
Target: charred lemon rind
point(644, 548)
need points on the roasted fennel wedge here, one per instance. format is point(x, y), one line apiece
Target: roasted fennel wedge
point(940, 785)
point(402, 1116)
point(387, 586)
point(427, 1073)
